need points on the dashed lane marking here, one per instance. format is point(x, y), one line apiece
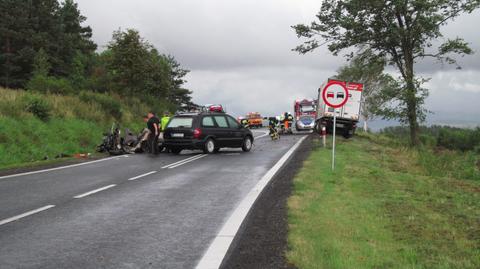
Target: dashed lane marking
point(142, 175)
point(94, 191)
point(26, 214)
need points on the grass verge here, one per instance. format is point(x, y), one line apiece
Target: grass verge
point(35, 128)
point(381, 208)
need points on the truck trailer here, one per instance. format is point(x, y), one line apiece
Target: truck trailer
point(347, 116)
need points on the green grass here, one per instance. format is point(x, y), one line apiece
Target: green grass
point(30, 139)
point(76, 124)
point(381, 208)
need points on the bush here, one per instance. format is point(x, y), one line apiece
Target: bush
point(38, 106)
point(447, 137)
point(109, 104)
point(428, 140)
point(458, 139)
point(46, 84)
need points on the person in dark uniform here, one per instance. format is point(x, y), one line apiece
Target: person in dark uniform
point(153, 124)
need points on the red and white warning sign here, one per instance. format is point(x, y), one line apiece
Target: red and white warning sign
point(335, 94)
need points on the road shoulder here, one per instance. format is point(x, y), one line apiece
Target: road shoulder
point(261, 242)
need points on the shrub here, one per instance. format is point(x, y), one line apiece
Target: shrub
point(458, 139)
point(38, 106)
point(428, 140)
point(447, 137)
point(46, 84)
point(109, 104)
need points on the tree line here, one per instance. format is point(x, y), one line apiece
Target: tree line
point(45, 46)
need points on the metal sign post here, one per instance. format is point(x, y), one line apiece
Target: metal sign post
point(335, 95)
point(334, 131)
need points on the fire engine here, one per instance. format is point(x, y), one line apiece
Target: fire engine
point(255, 120)
point(305, 114)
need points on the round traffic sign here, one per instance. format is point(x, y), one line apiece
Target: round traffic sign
point(335, 94)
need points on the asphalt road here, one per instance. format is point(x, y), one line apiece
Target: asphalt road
point(138, 211)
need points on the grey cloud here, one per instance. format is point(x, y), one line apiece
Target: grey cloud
point(240, 54)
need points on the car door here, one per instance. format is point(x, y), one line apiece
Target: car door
point(222, 132)
point(209, 127)
point(236, 132)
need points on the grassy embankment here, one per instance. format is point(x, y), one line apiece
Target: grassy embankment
point(34, 126)
point(386, 206)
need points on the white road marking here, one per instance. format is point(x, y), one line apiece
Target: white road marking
point(213, 257)
point(94, 191)
point(5, 221)
point(265, 133)
point(260, 136)
point(143, 175)
point(191, 160)
point(62, 167)
point(184, 160)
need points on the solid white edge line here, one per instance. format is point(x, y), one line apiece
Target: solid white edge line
point(191, 160)
point(182, 161)
point(142, 175)
point(213, 257)
point(94, 191)
point(62, 167)
point(5, 221)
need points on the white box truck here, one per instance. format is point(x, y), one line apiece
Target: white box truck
point(347, 116)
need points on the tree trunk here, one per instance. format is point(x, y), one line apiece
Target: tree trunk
point(412, 104)
point(365, 126)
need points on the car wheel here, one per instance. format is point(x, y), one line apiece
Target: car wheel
point(175, 150)
point(209, 146)
point(247, 144)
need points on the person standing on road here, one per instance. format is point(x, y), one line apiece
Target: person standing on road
point(163, 125)
point(164, 121)
point(153, 124)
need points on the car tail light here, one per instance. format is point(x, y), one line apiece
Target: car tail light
point(197, 133)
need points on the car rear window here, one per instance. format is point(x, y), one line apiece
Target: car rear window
point(180, 122)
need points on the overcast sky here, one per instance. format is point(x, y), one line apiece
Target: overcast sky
point(239, 52)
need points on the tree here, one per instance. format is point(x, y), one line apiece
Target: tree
point(77, 75)
point(45, 24)
point(75, 38)
point(137, 68)
point(401, 31)
point(27, 26)
point(367, 68)
point(15, 57)
point(41, 64)
point(129, 63)
point(179, 95)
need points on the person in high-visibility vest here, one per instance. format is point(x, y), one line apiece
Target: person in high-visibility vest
point(164, 121)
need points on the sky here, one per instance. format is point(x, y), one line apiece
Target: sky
point(240, 53)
